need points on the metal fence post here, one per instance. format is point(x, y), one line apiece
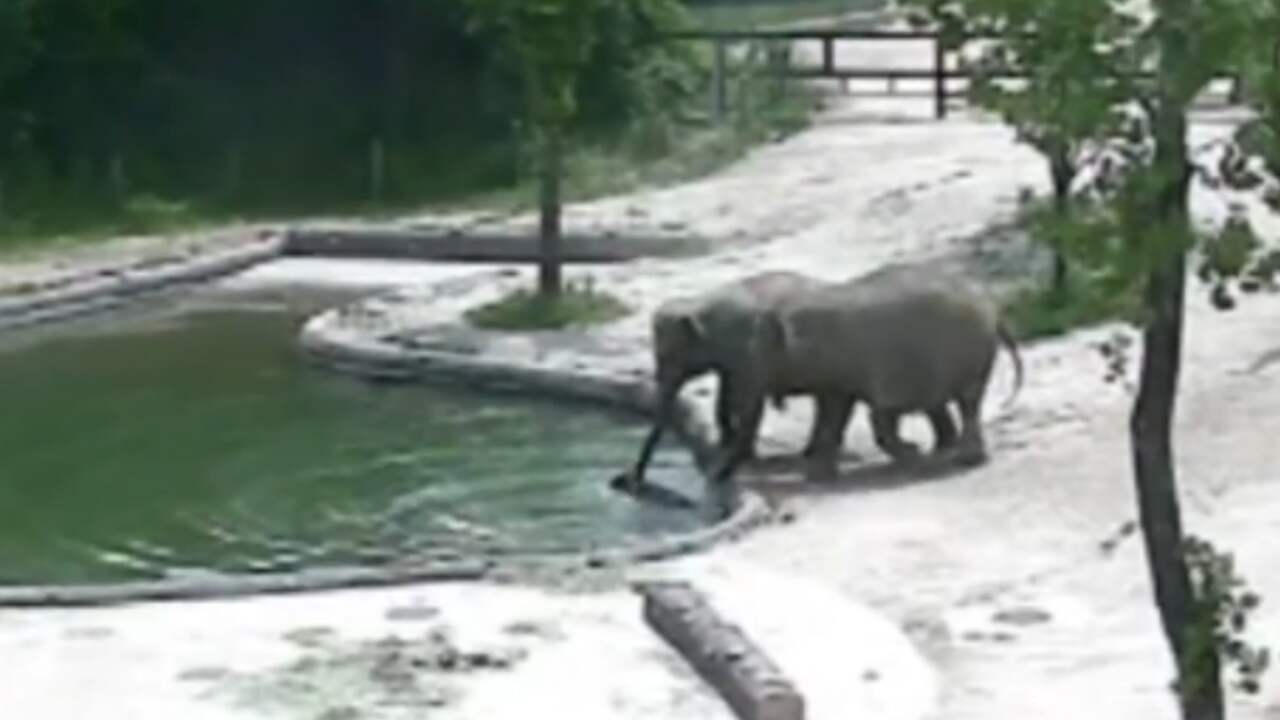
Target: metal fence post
point(719, 82)
point(939, 78)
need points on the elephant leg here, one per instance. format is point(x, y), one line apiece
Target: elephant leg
point(827, 437)
point(729, 419)
point(831, 417)
point(971, 447)
point(749, 411)
point(725, 421)
point(884, 426)
point(944, 428)
point(633, 479)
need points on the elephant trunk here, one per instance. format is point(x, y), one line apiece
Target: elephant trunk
point(668, 390)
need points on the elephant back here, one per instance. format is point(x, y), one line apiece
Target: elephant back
point(903, 336)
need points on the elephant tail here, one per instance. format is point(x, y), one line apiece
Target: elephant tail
point(1006, 338)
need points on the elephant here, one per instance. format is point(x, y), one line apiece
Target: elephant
point(713, 332)
point(903, 338)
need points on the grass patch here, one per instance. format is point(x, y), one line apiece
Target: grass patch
point(577, 306)
point(74, 225)
point(1041, 311)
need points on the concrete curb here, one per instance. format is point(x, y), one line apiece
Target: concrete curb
point(115, 287)
point(484, 246)
point(217, 586)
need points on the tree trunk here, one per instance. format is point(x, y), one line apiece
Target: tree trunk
point(549, 252)
point(1151, 425)
point(234, 171)
point(116, 176)
point(1062, 172)
point(377, 168)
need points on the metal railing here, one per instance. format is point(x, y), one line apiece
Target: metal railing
point(939, 73)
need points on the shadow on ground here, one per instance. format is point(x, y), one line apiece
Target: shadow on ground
point(782, 476)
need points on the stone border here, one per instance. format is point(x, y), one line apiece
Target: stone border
point(114, 287)
point(108, 288)
point(481, 246)
point(219, 586)
point(739, 671)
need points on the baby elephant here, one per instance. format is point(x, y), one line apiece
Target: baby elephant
point(904, 338)
point(713, 333)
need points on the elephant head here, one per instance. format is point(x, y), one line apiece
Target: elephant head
point(713, 333)
point(681, 346)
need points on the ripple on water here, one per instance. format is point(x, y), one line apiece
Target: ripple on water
point(205, 444)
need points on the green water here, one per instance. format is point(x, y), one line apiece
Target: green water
point(202, 441)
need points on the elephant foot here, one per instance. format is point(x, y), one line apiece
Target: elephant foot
point(721, 469)
point(821, 471)
point(970, 456)
point(944, 446)
point(628, 482)
point(810, 454)
point(725, 447)
point(904, 453)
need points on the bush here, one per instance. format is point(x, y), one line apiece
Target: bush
point(1098, 286)
point(149, 213)
point(1041, 311)
point(524, 309)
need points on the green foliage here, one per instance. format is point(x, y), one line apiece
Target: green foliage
point(564, 51)
point(149, 213)
point(1072, 65)
point(746, 14)
point(1073, 62)
point(1223, 605)
point(549, 43)
point(1085, 300)
point(578, 305)
point(1102, 287)
point(1128, 73)
point(1257, 149)
point(101, 102)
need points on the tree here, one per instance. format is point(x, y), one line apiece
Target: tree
point(558, 48)
point(16, 46)
point(549, 42)
point(1064, 99)
point(1155, 60)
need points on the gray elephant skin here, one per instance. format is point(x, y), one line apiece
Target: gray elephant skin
point(714, 332)
point(904, 338)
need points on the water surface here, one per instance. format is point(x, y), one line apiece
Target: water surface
point(200, 440)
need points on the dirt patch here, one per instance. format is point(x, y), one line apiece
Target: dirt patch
point(390, 677)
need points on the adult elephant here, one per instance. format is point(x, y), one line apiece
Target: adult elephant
point(715, 332)
point(904, 338)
